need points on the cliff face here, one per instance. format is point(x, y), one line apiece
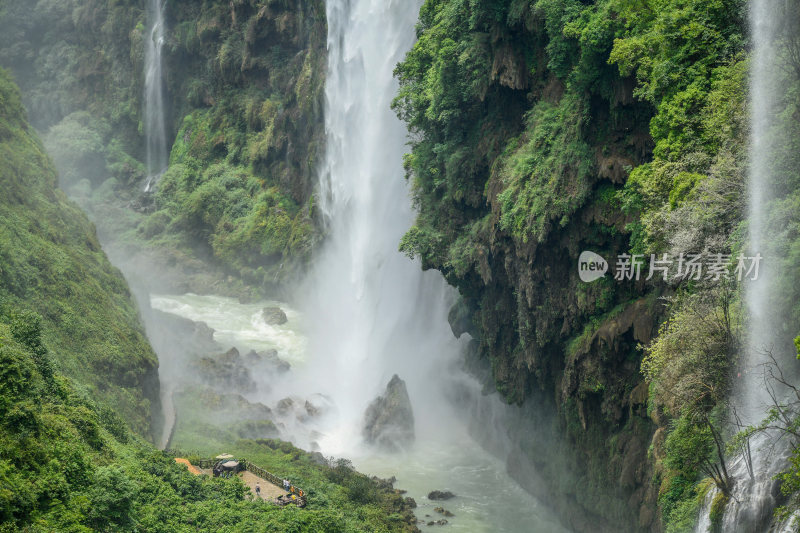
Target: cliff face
point(51, 263)
point(543, 129)
point(244, 118)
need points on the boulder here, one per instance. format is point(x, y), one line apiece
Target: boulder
point(389, 419)
point(317, 458)
point(225, 372)
point(311, 409)
point(274, 316)
point(440, 495)
point(285, 406)
point(270, 359)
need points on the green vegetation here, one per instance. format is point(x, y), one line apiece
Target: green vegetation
point(69, 464)
point(69, 460)
point(540, 128)
point(544, 128)
point(51, 263)
point(244, 93)
point(361, 503)
point(688, 366)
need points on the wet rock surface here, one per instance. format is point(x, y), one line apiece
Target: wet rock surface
point(274, 316)
point(389, 419)
point(440, 495)
point(195, 337)
point(226, 371)
point(270, 359)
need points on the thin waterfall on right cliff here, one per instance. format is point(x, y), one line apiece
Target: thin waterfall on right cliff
point(767, 355)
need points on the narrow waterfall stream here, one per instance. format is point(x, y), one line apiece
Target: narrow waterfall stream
point(155, 130)
point(754, 495)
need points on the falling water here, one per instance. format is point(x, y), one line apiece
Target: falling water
point(755, 492)
point(155, 130)
point(373, 312)
point(763, 85)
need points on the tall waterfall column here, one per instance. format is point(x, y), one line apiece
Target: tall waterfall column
point(155, 130)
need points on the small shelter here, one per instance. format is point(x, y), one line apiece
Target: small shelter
point(226, 466)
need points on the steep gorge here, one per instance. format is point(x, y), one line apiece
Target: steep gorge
point(539, 129)
point(54, 272)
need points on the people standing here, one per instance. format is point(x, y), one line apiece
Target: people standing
point(258, 489)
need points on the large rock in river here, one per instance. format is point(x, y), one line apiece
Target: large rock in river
point(389, 419)
point(274, 316)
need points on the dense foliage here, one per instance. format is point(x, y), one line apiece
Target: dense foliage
point(69, 464)
point(544, 128)
point(52, 263)
point(540, 128)
point(68, 458)
point(244, 90)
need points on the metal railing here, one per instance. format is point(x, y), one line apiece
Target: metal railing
point(255, 469)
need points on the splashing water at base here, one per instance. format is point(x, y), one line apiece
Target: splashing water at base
point(445, 457)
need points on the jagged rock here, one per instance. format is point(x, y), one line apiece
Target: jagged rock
point(311, 409)
point(389, 419)
point(440, 495)
point(303, 410)
point(269, 358)
point(318, 458)
point(460, 318)
point(274, 316)
point(226, 371)
point(285, 406)
point(443, 511)
point(384, 484)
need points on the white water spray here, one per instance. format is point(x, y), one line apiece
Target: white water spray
point(155, 130)
point(763, 87)
point(373, 312)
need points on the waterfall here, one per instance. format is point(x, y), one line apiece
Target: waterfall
point(374, 311)
point(755, 494)
point(763, 85)
point(155, 130)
